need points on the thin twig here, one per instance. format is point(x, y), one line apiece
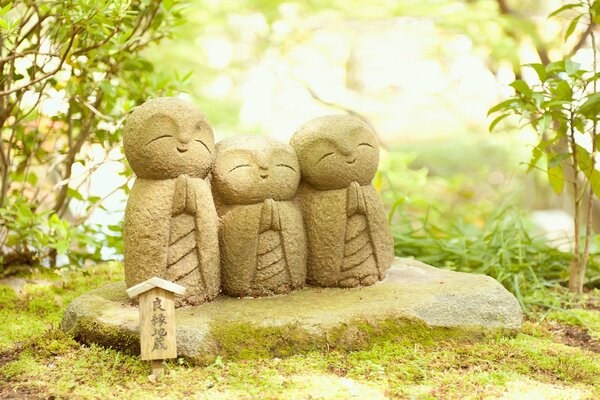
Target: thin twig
point(102, 200)
point(582, 39)
point(100, 43)
point(315, 96)
point(594, 133)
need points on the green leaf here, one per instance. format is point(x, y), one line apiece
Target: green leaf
point(571, 67)
point(62, 246)
point(72, 193)
point(556, 178)
point(572, 27)
point(554, 103)
point(520, 86)
point(564, 90)
point(115, 228)
point(555, 159)
point(564, 8)
point(584, 161)
point(595, 11)
point(5, 9)
point(496, 121)
point(58, 225)
point(24, 213)
point(579, 125)
point(556, 66)
point(32, 179)
point(543, 123)
point(595, 183)
point(538, 98)
point(540, 69)
point(591, 108)
point(505, 105)
point(537, 153)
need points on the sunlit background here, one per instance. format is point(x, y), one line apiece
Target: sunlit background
point(423, 74)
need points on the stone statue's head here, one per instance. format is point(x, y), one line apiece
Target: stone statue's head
point(336, 150)
point(168, 137)
point(251, 168)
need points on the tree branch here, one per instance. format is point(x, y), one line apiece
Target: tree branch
point(582, 38)
point(99, 44)
point(49, 74)
point(84, 133)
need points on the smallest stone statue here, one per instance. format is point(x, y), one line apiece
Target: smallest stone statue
point(349, 241)
point(262, 239)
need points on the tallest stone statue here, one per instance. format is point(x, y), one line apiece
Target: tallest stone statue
point(171, 225)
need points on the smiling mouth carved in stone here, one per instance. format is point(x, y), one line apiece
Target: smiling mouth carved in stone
point(181, 149)
point(264, 176)
point(351, 161)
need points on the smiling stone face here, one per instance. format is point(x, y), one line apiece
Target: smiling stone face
point(165, 138)
point(335, 151)
point(250, 169)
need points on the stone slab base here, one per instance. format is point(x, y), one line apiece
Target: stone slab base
point(413, 295)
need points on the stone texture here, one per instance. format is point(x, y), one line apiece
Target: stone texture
point(412, 295)
point(349, 241)
point(171, 224)
point(261, 235)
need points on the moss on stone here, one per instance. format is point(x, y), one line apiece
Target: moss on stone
point(89, 330)
point(245, 341)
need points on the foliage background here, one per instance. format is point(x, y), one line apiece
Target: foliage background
point(423, 74)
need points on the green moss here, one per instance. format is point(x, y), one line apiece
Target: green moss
point(18, 327)
point(23, 367)
point(8, 298)
point(94, 332)
point(245, 341)
point(42, 305)
point(442, 366)
point(394, 359)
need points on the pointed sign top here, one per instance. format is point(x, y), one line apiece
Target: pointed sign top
point(152, 283)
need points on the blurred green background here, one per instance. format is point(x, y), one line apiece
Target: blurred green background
point(423, 74)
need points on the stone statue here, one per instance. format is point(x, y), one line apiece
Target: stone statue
point(349, 241)
point(262, 239)
point(171, 224)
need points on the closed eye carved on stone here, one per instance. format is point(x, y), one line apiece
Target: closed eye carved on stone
point(324, 156)
point(239, 166)
point(365, 144)
point(287, 166)
point(160, 137)
point(203, 144)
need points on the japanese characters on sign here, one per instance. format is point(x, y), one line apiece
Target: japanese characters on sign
point(158, 320)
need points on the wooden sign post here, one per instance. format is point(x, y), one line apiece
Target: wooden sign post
point(157, 320)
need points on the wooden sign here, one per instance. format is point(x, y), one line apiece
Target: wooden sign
point(157, 319)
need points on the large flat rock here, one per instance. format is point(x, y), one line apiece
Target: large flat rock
point(413, 294)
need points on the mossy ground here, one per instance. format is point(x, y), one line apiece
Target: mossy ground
point(39, 361)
